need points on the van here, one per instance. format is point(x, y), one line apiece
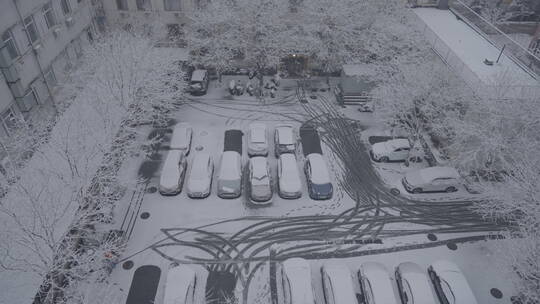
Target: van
point(230, 175)
point(198, 85)
point(173, 173)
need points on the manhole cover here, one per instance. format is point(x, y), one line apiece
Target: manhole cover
point(199, 148)
point(496, 293)
point(451, 246)
point(151, 189)
point(394, 191)
point(432, 237)
point(127, 265)
point(322, 89)
point(145, 215)
point(303, 101)
point(313, 96)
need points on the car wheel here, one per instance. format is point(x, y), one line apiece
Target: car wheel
point(384, 159)
point(417, 190)
point(451, 189)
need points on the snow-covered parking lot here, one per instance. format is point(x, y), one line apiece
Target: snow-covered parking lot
point(362, 222)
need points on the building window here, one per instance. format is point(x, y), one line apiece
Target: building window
point(9, 42)
point(171, 5)
point(65, 7)
point(31, 30)
point(122, 5)
point(50, 78)
point(9, 120)
point(144, 5)
point(48, 14)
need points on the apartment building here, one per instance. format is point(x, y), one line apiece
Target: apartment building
point(172, 14)
point(39, 41)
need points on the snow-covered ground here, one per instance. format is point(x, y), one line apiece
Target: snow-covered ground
point(151, 242)
point(471, 48)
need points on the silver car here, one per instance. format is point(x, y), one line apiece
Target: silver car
point(284, 140)
point(199, 181)
point(433, 179)
point(259, 180)
point(257, 140)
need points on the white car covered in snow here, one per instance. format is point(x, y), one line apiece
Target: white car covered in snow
point(375, 284)
point(284, 140)
point(450, 284)
point(180, 285)
point(296, 282)
point(257, 140)
point(173, 173)
point(181, 137)
point(259, 180)
point(230, 175)
point(413, 284)
point(432, 179)
point(391, 150)
point(289, 182)
point(338, 285)
point(199, 182)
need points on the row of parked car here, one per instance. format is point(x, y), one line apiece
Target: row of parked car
point(443, 282)
point(199, 180)
point(432, 179)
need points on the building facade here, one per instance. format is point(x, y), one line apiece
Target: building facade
point(39, 41)
point(173, 15)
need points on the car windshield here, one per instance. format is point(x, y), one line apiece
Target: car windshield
point(232, 184)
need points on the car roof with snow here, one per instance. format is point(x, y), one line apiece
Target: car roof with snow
point(417, 280)
point(178, 280)
point(285, 134)
point(343, 290)
point(199, 165)
point(258, 132)
point(259, 165)
point(299, 274)
point(319, 170)
point(452, 275)
point(181, 136)
point(229, 169)
point(431, 173)
point(379, 280)
point(288, 161)
point(170, 172)
point(397, 143)
point(198, 75)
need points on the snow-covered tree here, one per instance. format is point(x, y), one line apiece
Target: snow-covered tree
point(70, 186)
point(224, 32)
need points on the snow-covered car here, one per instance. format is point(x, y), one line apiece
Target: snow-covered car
point(432, 179)
point(284, 140)
point(229, 182)
point(338, 285)
point(257, 140)
point(173, 173)
point(391, 150)
point(259, 180)
point(180, 285)
point(199, 181)
point(181, 137)
point(296, 282)
point(318, 177)
point(413, 284)
point(198, 84)
point(375, 284)
point(450, 284)
point(289, 183)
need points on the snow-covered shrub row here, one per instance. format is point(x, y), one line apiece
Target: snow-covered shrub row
point(70, 184)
